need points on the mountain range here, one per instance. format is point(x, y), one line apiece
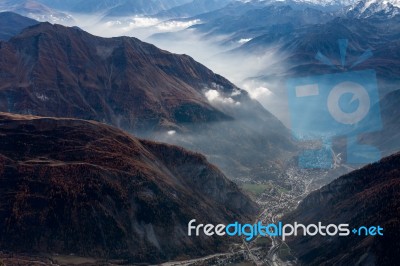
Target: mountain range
point(295, 34)
point(132, 192)
point(80, 6)
point(368, 8)
point(192, 8)
point(37, 11)
point(51, 70)
point(251, 20)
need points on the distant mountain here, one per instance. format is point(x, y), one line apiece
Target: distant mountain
point(298, 48)
point(65, 72)
point(327, 2)
point(121, 8)
point(294, 34)
point(36, 10)
point(249, 20)
point(148, 7)
point(72, 186)
point(376, 8)
point(65, 5)
point(53, 11)
point(193, 8)
point(12, 24)
point(366, 197)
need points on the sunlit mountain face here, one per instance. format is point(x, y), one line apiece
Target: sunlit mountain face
point(90, 91)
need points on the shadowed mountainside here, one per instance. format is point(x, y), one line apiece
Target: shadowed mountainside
point(12, 24)
point(366, 197)
point(74, 186)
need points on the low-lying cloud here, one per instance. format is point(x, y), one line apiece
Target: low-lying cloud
point(173, 25)
point(136, 26)
point(257, 92)
point(214, 96)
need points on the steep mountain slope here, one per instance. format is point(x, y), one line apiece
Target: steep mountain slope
point(57, 71)
point(387, 139)
point(366, 197)
point(65, 72)
point(73, 186)
point(12, 24)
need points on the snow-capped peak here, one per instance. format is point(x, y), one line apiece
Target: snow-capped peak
point(351, 2)
point(313, 2)
point(368, 8)
point(395, 3)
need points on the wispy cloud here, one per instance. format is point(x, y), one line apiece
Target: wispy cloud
point(242, 41)
point(173, 25)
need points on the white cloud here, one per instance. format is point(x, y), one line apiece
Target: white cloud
point(213, 96)
point(257, 92)
point(236, 92)
point(140, 22)
point(171, 132)
point(174, 25)
point(133, 23)
point(241, 41)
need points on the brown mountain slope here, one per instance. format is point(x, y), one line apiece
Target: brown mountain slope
point(73, 186)
point(366, 197)
point(51, 70)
